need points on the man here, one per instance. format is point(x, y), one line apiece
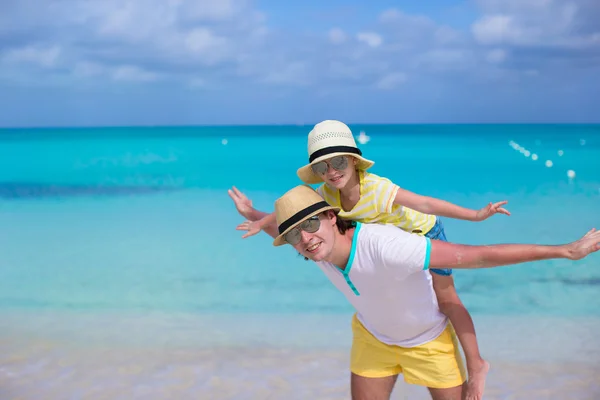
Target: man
point(383, 272)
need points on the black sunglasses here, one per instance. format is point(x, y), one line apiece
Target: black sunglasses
point(310, 225)
point(338, 162)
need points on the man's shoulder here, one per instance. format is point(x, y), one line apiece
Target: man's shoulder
point(379, 236)
point(393, 247)
point(376, 230)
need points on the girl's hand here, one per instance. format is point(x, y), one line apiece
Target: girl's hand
point(242, 203)
point(253, 227)
point(490, 210)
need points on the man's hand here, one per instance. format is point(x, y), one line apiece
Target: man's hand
point(490, 210)
point(242, 203)
point(588, 244)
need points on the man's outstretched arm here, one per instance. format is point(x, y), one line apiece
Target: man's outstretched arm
point(450, 255)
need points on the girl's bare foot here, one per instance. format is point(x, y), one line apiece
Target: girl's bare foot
point(476, 382)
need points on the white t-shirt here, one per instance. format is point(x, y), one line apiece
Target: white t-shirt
point(388, 283)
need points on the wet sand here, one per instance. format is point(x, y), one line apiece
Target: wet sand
point(50, 372)
point(88, 357)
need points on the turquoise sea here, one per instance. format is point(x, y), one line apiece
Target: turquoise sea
point(124, 238)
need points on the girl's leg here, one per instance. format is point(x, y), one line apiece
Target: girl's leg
point(451, 306)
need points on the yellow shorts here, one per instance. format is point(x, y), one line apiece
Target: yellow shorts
point(437, 364)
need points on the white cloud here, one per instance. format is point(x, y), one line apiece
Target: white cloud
point(391, 81)
point(390, 15)
point(174, 37)
point(444, 35)
point(372, 39)
point(493, 29)
point(294, 73)
point(400, 18)
point(544, 23)
point(201, 40)
point(444, 60)
point(131, 73)
point(197, 82)
point(417, 32)
point(149, 40)
point(336, 36)
point(208, 9)
point(88, 69)
point(496, 56)
point(43, 57)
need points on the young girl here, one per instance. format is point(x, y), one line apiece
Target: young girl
point(337, 164)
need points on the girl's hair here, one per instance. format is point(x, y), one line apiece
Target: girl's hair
point(342, 225)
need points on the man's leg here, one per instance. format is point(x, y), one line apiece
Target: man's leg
point(373, 364)
point(436, 365)
point(372, 388)
point(454, 393)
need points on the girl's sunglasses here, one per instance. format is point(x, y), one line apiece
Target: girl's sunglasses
point(339, 163)
point(310, 225)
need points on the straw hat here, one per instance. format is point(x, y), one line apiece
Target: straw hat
point(296, 206)
point(329, 139)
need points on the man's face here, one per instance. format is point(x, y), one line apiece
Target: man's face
point(318, 245)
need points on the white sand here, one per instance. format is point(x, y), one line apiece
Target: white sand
point(52, 372)
point(52, 357)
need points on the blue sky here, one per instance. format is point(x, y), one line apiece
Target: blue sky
point(187, 62)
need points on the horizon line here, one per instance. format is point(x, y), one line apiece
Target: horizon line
point(239, 125)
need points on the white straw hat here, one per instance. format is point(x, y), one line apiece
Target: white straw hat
point(294, 207)
point(328, 139)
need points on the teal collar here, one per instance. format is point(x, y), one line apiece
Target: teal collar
point(346, 271)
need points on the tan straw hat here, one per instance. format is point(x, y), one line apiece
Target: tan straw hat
point(328, 139)
point(295, 206)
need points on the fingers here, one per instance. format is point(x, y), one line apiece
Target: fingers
point(238, 193)
point(244, 226)
point(497, 208)
point(248, 234)
point(591, 231)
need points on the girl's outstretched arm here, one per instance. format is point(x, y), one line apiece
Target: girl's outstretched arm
point(244, 206)
point(442, 208)
point(267, 222)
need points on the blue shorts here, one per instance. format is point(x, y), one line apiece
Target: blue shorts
point(437, 232)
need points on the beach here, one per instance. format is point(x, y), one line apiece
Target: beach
point(122, 275)
point(81, 356)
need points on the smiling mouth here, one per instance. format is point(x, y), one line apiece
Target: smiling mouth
point(337, 178)
point(313, 248)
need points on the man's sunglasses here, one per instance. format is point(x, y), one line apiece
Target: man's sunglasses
point(310, 225)
point(339, 163)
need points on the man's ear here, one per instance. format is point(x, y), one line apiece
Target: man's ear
point(331, 215)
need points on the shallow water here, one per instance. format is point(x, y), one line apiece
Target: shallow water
point(122, 276)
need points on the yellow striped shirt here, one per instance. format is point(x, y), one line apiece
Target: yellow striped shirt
point(376, 205)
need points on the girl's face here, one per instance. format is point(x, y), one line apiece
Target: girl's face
point(336, 171)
